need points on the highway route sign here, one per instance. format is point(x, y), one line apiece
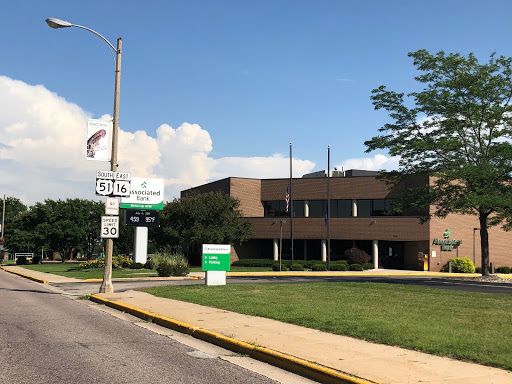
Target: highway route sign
point(113, 184)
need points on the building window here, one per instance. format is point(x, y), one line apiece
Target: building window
point(381, 207)
point(317, 208)
point(341, 208)
point(298, 208)
point(364, 208)
point(275, 208)
point(375, 207)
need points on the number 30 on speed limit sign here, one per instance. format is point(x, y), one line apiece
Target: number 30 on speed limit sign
point(109, 227)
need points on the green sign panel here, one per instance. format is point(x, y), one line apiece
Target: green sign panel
point(216, 257)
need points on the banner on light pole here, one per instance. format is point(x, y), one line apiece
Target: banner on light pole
point(98, 134)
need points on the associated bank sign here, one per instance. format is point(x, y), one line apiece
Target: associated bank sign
point(145, 193)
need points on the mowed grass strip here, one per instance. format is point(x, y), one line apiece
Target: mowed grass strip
point(72, 270)
point(463, 325)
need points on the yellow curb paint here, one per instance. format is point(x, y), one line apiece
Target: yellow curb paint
point(304, 368)
point(42, 281)
point(292, 364)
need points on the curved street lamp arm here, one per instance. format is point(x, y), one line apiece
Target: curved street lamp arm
point(97, 34)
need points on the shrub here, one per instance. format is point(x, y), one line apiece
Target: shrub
point(355, 267)
point(275, 267)
point(478, 269)
point(357, 256)
point(296, 267)
point(165, 268)
point(181, 269)
point(98, 263)
point(254, 263)
point(368, 266)
point(136, 266)
point(463, 265)
point(503, 270)
point(339, 266)
point(308, 264)
point(319, 267)
point(150, 264)
point(121, 261)
point(171, 264)
point(36, 259)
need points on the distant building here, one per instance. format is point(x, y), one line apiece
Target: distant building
point(358, 218)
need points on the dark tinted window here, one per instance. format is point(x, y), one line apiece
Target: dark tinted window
point(317, 208)
point(364, 208)
point(343, 208)
point(276, 208)
point(298, 208)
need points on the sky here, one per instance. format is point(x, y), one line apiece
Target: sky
point(215, 88)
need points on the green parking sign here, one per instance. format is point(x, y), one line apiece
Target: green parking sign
point(216, 257)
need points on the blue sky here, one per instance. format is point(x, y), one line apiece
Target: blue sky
point(247, 76)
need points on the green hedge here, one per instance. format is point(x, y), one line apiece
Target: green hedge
point(257, 263)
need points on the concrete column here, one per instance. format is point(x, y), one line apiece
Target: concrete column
point(375, 252)
point(140, 251)
point(323, 250)
point(306, 208)
point(275, 249)
point(354, 208)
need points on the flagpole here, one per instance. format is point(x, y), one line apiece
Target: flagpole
point(328, 207)
point(291, 202)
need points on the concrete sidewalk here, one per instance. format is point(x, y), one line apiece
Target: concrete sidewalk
point(368, 361)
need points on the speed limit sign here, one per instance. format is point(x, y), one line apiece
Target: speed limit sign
point(109, 227)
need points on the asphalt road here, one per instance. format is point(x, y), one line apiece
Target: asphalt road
point(48, 337)
point(469, 285)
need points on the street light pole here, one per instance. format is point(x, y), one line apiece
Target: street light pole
point(106, 285)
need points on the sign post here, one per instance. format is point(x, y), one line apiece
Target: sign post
point(215, 262)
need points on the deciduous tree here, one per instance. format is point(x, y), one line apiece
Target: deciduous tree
point(210, 218)
point(457, 129)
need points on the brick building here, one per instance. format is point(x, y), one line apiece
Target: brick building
point(358, 218)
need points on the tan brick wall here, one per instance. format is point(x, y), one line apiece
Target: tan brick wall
point(461, 228)
point(220, 185)
point(316, 188)
point(354, 228)
point(248, 191)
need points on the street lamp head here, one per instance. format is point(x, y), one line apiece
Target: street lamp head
point(57, 23)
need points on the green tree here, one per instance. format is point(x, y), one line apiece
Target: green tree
point(209, 218)
point(14, 236)
point(91, 212)
point(66, 226)
point(457, 129)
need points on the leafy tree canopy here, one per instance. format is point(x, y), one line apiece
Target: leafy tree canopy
point(14, 210)
point(210, 218)
point(458, 130)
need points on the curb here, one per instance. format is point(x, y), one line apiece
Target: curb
point(288, 363)
point(42, 281)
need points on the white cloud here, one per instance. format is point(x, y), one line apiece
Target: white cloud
point(42, 151)
point(375, 163)
point(260, 167)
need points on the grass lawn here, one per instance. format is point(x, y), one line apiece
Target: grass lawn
point(469, 326)
point(72, 270)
